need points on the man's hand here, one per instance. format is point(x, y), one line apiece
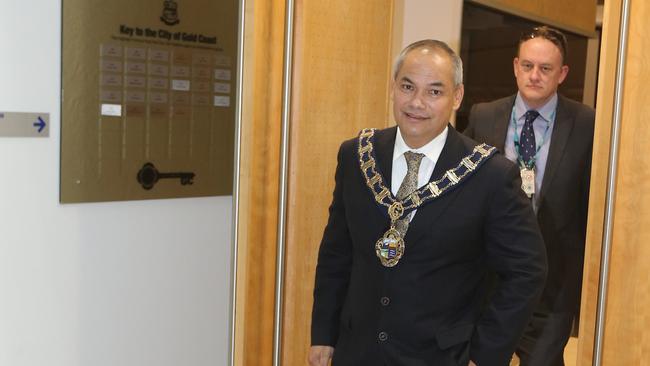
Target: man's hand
point(471, 363)
point(320, 355)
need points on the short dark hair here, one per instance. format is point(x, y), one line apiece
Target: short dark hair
point(550, 34)
point(433, 45)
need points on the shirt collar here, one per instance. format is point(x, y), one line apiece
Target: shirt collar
point(546, 111)
point(431, 150)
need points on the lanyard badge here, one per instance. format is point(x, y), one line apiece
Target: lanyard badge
point(528, 181)
point(527, 169)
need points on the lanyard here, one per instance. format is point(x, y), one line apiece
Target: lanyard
point(531, 162)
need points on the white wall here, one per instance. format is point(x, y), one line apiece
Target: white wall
point(129, 283)
point(420, 19)
point(414, 20)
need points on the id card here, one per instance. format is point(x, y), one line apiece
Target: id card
point(528, 181)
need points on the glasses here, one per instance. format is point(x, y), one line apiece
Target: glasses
point(552, 35)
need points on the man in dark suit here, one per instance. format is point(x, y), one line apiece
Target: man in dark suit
point(553, 149)
point(401, 272)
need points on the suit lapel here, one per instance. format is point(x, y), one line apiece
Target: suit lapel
point(453, 151)
point(564, 122)
point(384, 145)
point(502, 115)
point(384, 140)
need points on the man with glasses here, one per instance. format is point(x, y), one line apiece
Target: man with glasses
point(550, 138)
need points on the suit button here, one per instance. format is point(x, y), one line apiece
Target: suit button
point(384, 301)
point(383, 336)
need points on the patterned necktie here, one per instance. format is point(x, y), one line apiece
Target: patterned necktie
point(409, 184)
point(527, 145)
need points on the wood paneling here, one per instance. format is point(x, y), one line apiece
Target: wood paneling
point(578, 16)
point(627, 312)
point(340, 85)
point(602, 135)
point(258, 204)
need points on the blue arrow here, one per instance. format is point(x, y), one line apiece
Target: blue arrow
point(40, 124)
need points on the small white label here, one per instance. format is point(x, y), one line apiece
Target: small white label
point(158, 70)
point(201, 72)
point(112, 110)
point(111, 96)
point(181, 71)
point(181, 85)
point(158, 98)
point(223, 88)
point(221, 60)
point(136, 81)
point(158, 55)
point(158, 83)
point(221, 101)
point(111, 80)
point(221, 74)
point(111, 50)
point(135, 97)
point(136, 53)
point(135, 67)
point(111, 65)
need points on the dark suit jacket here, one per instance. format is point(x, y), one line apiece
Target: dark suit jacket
point(564, 194)
point(430, 308)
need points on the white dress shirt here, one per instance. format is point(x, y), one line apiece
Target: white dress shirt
point(431, 153)
point(543, 127)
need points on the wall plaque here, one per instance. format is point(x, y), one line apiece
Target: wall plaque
point(148, 99)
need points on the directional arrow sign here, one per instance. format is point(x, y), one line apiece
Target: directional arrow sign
point(40, 124)
point(24, 124)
